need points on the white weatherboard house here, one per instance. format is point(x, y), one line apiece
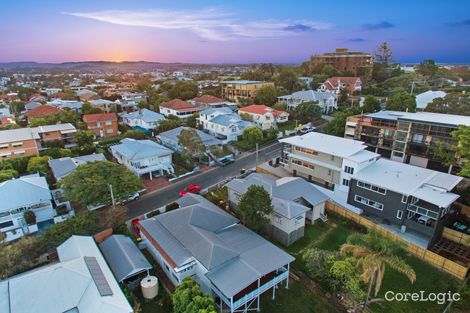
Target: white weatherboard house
point(223, 123)
point(170, 138)
point(229, 261)
point(81, 282)
point(143, 157)
point(143, 118)
point(327, 160)
point(326, 100)
point(27, 193)
point(293, 200)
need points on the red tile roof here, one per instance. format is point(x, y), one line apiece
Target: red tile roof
point(179, 105)
point(208, 99)
point(41, 111)
point(260, 109)
point(89, 96)
point(99, 117)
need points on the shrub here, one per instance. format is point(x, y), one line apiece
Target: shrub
point(172, 206)
point(155, 213)
point(30, 217)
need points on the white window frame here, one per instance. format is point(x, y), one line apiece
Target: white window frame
point(371, 186)
point(349, 169)
point(366, 202)
point(399, 214)
point(404, 197)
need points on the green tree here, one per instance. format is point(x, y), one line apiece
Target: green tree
point(451, 104)
point(39, 165)
point(134, 134)
point(188, 298)
point(308, 112)
point(427, 68)
point(192, 120)
point(8, 174)
point(371, 104)
point(89, 183)
point(255, 208)
point(402, 101)
point(288, 80)
point(87, 108)
point(168, 124)
point(183, 90)
point(373, 253)
point(462, 135)
point(246, 117)
point(266, 95)
point(18, 256)
point(336, 126)
point(191, 142)
point(383, 54)
point(252, 135)
point(85, 137)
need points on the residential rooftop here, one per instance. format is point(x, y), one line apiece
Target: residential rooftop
point(427, 117)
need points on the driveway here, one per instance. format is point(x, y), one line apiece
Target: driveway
point(161, 197)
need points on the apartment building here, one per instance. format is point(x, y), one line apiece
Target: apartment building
point(264, 117)
point(405, 137)
point(344, 60)
point(411, 198)
point(29, 141)
point(234, 90)
point(102, 124)
point(328, 161)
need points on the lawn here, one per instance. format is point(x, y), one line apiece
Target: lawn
point(289, 125)
point(332, 234)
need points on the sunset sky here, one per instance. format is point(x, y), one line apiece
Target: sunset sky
point(230, 31)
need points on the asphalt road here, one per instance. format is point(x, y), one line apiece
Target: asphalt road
point(159, 198)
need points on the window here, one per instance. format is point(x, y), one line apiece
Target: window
point(329, 172)
point(278, 219)
point(4, 146)
point(332, 158)
point(417, 138)
point(371, 187)
point(305, 150)
point(349, 170)
point(373, 204)
point(109, 131)
point(346, 182)
point(109, 123)
point(404, 199)
point(6, 224)
point(399, 214)
point(303, 164)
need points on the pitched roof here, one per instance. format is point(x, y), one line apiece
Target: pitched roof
point(234, 256)
point(145, 115)
point(208, 99)
point(309, 95)
point(207, 139)
point(123, 256)
point(64, 166)
point(261, 109)
point(230, 119)
point(140, 149)
point(179, 105)
point(285, 192)
point(41, 111)
point(423, 99)
point(18, 134)
point(74, 284)
point(99, 117)
point(32, 105)
point(24, 191)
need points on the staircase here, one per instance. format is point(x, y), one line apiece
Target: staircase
point(324, 217)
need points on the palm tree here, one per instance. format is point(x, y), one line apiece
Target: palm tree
point(372, 252)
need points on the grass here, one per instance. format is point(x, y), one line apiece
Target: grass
point(160, 304)
point(332, 234)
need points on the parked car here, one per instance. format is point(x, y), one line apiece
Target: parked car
point(227, 161)
point(191, 188)
point(132, 197)
point(307, 130)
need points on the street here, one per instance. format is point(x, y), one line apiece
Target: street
point(159, 198)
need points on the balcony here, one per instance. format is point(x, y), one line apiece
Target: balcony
point(422, 228)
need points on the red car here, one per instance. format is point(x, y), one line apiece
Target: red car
point(191, 189)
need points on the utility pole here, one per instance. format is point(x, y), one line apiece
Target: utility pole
point(256, 154)
point(112, 196)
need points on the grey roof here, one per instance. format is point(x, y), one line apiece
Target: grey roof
point(31, 105)
point(18, 134)
point(243, 82)
point(426, 117)
point(207, 140)
point(140, 149)
point(146, 115)
point(285, 192)
point(222, 110)
point(234, 256)
point(100, 102)
point(309, 95)
point(123, 256)
point(64, 166)
point(23, 192)
point(230, 119)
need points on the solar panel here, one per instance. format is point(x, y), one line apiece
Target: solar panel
point(98, 277)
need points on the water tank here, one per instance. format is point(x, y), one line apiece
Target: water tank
point(149, 286)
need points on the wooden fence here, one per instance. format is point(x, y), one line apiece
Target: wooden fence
point(456, 236)
point(449, 266)
point(464, 209)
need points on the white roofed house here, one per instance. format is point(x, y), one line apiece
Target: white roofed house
point(143, 157)
point(326, 160)
point(293, 200)
point(425, 98)
point(170, 138)
point(63, 166)
point(326, 100)
point(80, 281)
point(229, 261)
point(143, 118)
point(20, 195)
point(223, 124)
point(411, 198)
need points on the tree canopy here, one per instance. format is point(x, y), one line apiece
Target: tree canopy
point(252, 135)
point(307, 112)
point(84, 137)
point(183, 90)
point(255, 207)
point(89, 183)
point(402, 101)
point(39, 165)
point(191, 142)
point(450, 104)
point(266, 95)
point(371, 104)
point(188, 298)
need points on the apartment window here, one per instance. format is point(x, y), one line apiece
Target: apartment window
point(399, 214)
point(6, 224)
point(373, 204)
point(349, 170)
point(3, 146)
point(109, 131)
point(417, 138)
point(404, 199)
point(109, 123)
point(329, 172)
point(305, 150)
point(303, 164)
point(371, 187)
point(346, 182)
